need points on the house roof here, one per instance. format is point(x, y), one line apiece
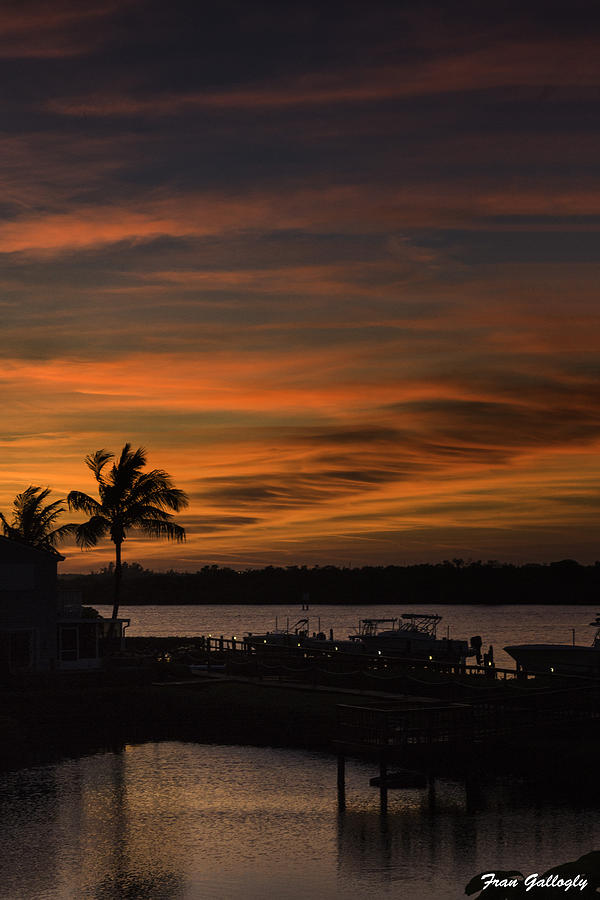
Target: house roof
point(7, 542)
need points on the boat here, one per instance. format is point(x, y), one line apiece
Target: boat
point(414, 636)
point(298, 637)
point(279, 638)
point(562, 659)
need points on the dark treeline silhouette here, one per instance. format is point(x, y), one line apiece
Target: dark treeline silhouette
point(456, 581)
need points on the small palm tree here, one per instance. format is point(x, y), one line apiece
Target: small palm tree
point(34, 521)
point(129, 499)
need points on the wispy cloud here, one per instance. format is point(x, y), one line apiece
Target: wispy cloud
point(548, 65)
point(32, 29)
point(348, 297)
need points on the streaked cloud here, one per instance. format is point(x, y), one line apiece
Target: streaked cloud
point(336, 267)
point(549, 64)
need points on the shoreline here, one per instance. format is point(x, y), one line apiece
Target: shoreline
point(78, 716)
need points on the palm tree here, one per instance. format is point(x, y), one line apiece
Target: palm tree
point(130, 499)
point(34, 522)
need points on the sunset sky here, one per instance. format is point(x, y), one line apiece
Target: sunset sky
point(335, 268)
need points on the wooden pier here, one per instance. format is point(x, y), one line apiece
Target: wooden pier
point(398, 725)
point(393, 732)
point(447, 680)
point(295, 657)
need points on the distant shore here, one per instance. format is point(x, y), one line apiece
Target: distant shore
point(475, 583)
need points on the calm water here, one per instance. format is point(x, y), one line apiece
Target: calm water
point(174, 821)
point(497, 625)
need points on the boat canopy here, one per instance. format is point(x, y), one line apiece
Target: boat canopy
point(423, 623)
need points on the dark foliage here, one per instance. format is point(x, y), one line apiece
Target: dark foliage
point(454, 581)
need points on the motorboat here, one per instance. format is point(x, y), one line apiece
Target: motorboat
point(298, 637)
point(414, 636)
point(279, 638)
point(564, 659)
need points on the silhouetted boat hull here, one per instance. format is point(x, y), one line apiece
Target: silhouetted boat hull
point(414, 639)
point(566, 659)
point(413, 636)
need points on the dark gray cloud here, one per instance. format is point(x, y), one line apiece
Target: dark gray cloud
point(348, 248)
point(199, 525)
point(291, 491)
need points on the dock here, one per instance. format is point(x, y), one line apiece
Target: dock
point(395, 732)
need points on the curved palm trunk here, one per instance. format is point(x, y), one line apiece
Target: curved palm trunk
point(118, 573)
point(112, 629)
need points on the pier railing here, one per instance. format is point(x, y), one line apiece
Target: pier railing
point(380, 728)
point(428, 723)
point(241, 655)
point(296, 655)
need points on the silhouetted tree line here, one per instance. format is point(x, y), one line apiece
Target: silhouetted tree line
point(451, 581)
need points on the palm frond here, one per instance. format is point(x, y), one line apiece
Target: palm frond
point(96, 462)
point(62, 533)
point(82, 502)
point(89, 533)
point(10, 532)
point(128, 469)
point(33, 521)
point(156, 487)
point(137, 511)
point(156, 528)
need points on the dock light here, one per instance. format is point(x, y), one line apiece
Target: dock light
point(337, 648)
point(265, 641)
point(379, 652)
point(298, 644)
point(552, 668)
point(431, 657)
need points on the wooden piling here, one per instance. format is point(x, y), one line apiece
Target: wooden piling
point(341, 780)
point(383, 783)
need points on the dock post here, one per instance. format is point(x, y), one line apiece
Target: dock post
point(431, 790)
point(383, 784)
point(341, 780)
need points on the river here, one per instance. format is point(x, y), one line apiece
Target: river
point(497, 625)
point(176, 821)
point(183, 821)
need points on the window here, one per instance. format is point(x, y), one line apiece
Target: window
point(87, 641)
point(68, 643)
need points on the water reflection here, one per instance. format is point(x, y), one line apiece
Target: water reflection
point(430, 839)
point(29, 813)
point(155, 885)
point(182, 821)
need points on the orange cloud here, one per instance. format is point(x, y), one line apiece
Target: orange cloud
point(304, 293)
point(348, 208)
point(450, 456)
